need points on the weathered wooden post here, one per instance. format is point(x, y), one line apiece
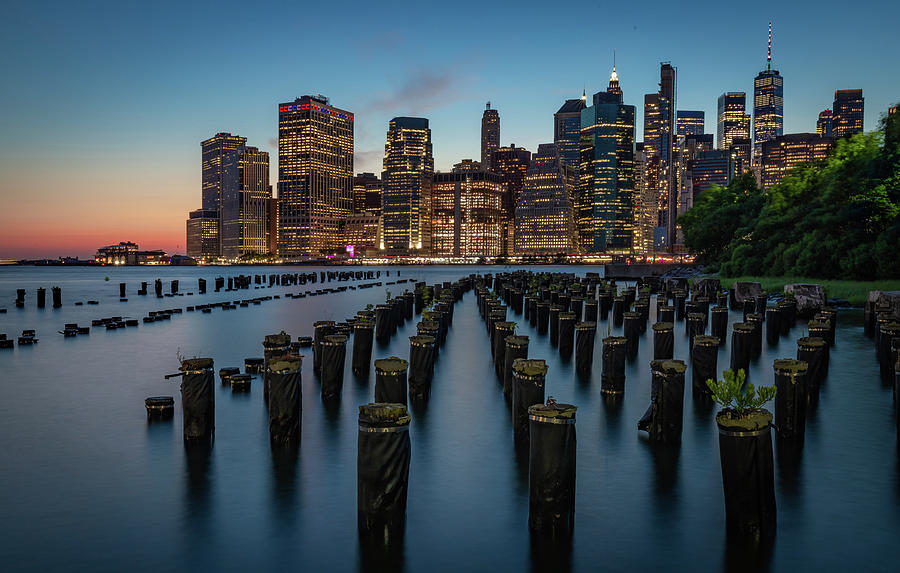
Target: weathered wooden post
point(334, 355)
point(741, 347)
point(198, 401)
point(748, 473)
point(718, 324)
point(790, 399)
point(704, 358)
point(285, 399)
point(585, 332)
point(551, 469)
point(390, 380)
point(363, 334)
point(566, 334)
point(663, 341)
point(612, 379)
point(528, 390)
point(516, 347)
point(663, 420)
point(382, 469)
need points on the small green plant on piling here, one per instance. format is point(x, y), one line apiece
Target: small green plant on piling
point(427, 299)
point(731, 394)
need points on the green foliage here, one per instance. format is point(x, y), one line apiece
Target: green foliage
point(730, 393)
point(719, 215)
point(838, 218)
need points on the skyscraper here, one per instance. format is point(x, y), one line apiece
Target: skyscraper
point(689, 147)
point(651, 124)
point(824, 123)
point(202, 233)
point(406, 187)
point(787, 151)
point(691, 122)
point(490, 135)
point(847, 117)
point(544, 223)
point(466, 211)
point(659, 147)
point(511, 164)
point(315, 176)
point(567, 131)
point(213, 152)
point(645, 205)
point(605, 216)
point(367, 194)
point(733, 120)
point(768, 104)
point(708, 168)
point(245, 203)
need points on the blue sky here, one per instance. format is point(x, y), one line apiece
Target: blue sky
point(103, 104)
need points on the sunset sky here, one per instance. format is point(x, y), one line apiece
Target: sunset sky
point(103, 104)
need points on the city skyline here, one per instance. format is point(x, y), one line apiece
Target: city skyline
point(115, 157)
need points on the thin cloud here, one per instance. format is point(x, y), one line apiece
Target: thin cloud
point(421, 91)
point(370, 161)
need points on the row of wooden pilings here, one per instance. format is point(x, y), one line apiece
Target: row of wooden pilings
point(384, 447)
point(556, 305)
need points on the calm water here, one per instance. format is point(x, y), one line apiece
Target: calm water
point(87, 484)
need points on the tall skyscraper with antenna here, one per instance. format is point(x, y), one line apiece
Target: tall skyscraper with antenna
point(768, 104)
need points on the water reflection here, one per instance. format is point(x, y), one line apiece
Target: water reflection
point(549, 554)
point(747, 555)
point(612, 406)
point(381, 550)
point(789, 455)
point(665, 466)
point(285, 459)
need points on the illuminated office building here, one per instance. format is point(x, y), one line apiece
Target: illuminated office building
point(361, 233)
point(244, 217)
point(203, 234)
point(733, 121)
point(824, 123)
point(544, 222)
point(406, 187)
point(511, 164)
point(847, 114)
point(788, 151)
point(605, 215)
point(367, 194)
point(689, 147)
point(468, 165)
point(708, 168)
point(644, 202)
point(740, 152)
point(213, 152)
point(490, 135)
point(690, 122)
point(768, 105)
point(466, 213)
point(659, 147)
point(315, 176)
point(567, 131)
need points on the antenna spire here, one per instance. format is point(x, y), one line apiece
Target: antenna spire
point(769, 56)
